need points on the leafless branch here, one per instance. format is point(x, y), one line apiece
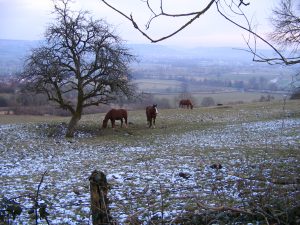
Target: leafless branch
point(286, 25)
point(258, 57)
point(195, 15)
point(223, 208)
point(36, 204)
point(287, 32)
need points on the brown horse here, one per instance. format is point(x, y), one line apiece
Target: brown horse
point(151, 112)
point(113, 115)
point(186, 103)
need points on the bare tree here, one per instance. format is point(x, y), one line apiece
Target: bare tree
point(82, 63)
point(286, 22)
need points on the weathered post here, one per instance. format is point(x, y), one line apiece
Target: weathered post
point(99, 200)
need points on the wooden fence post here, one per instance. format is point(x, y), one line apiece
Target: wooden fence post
point(99, 200)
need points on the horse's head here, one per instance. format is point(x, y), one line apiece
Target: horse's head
point(104, 123)
point(155, 109)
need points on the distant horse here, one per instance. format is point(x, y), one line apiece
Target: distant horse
point(186, 103)
point(151, 112)
point(113, 115)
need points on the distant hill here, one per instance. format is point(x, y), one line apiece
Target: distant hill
point(216, 54)
point(13, 53)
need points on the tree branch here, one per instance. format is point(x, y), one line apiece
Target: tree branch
point(287, 61)
point(195, 14)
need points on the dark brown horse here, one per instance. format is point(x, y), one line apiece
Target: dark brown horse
point(186, 103)
point(113, 115)
point(151, 112)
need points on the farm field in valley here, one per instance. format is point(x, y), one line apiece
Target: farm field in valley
point(159, 175)
point(226, 97)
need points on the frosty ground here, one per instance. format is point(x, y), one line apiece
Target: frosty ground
point(155, 173)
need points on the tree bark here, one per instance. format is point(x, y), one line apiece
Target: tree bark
point(72, 125)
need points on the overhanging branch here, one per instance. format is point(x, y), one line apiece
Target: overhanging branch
point(135, 25)
point(279, 60)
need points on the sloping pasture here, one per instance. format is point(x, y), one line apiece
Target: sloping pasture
point(156, 175)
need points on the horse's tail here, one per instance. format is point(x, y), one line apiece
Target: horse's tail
point(147, 113)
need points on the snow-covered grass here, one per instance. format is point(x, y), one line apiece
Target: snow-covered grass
point(159, 172)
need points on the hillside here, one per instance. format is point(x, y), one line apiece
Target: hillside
point(13, 53)
point(159, 174)
point(159, 67)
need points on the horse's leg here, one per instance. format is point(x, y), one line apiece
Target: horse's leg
point(121, 122)
point(113, 123)
point(154, 122)
point(148, 121)
point(125, 121)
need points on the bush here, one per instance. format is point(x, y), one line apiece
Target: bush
point(9, 210)
point(267, 98)
point(208, 101)
point(295, 94)
point(3, 102)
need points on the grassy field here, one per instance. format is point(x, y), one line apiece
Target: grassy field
point(162, 175)
point(170, 90)
point(218, 97)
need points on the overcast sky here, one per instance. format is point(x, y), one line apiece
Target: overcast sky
point(27, 20)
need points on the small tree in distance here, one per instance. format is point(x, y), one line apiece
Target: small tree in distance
point(82, 63)
point(207, 101)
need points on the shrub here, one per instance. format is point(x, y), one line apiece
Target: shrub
point(267, 98)
point(207, 101)
point(296, 94)
point(3, 102)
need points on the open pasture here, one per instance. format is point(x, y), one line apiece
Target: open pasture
point(230, 97)
point(157, 175)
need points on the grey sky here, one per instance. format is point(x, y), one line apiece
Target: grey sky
point(27, 19)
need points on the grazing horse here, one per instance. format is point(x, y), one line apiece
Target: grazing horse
point(113, 115)
point(186, 102)
point(151, 112)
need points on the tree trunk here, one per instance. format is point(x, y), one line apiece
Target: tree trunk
point(76, 115)
point(72, 125)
